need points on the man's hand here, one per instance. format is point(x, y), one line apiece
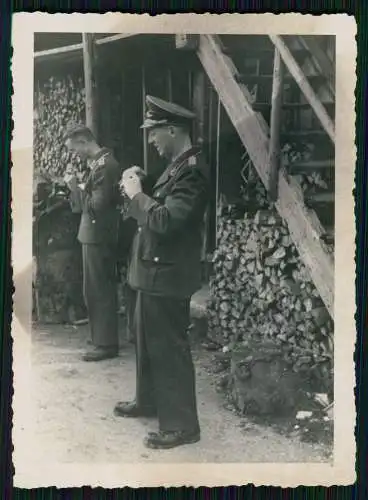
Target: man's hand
point(131, 181)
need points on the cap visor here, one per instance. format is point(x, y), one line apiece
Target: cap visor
point(147, 125)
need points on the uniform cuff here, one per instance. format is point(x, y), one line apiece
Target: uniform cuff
point(139, 207)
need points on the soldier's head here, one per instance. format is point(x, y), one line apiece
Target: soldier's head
point(79, 140)
point(168, 126)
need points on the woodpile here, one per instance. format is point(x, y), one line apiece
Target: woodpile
point(58, 284)
point(261, 292)
point(57, 101)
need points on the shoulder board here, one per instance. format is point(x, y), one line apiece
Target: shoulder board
point(192, 160)
point(101, 161)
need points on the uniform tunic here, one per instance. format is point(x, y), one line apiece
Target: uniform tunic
point(98, 235)
point(165, 269)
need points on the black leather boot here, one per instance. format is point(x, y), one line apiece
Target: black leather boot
point(171, 439)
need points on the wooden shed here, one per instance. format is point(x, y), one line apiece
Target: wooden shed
point(253, 94)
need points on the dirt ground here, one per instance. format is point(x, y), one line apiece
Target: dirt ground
point(75, 423)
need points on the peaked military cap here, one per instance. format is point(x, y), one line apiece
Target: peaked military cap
point(73, 129)
point(160, 113)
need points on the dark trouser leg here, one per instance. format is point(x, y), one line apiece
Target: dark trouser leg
point(130, 298)
point(164, 326)
point(86, 286)
point(145, 395)
point(99, 287)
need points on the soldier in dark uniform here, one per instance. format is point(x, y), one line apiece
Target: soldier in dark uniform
point(165, 270)
point(97, 201)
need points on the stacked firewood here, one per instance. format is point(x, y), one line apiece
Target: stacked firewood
point(261, 291)
point(57, 102)
point(58, 283)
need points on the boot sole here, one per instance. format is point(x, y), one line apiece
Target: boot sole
point(117, 413)
point(153, 446)
point(103, 358)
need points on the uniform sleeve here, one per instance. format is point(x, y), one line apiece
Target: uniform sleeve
point(103, 189)
point(187, 196)
point(75, 200)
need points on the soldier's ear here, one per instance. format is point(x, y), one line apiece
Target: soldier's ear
point(172, 131)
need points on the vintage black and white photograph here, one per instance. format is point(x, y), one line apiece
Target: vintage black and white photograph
point(184, 231)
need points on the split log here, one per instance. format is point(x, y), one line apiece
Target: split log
point(261, 290)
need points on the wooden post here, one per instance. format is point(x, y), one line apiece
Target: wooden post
point(210, 123)
point(90, 82)
point(190, 99)
point(197, 96)
point(198, 105)
point(122, 115)
point(169, 85)
point(190, 88)
point(104, 122)
point(218, 130)
point(212, 207)
point(145, 161)
point(276, 111)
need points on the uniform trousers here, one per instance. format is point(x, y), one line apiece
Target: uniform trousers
point(130, 297)
point(100, 293)
point(165, 371)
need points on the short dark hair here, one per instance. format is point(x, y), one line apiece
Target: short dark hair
point(84, 134)
point(184, 127)
point(76, 131)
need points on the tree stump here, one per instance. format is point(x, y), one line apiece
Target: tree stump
point(262, 383)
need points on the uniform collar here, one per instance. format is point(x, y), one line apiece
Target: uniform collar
point(99, 158)
point(192, 151)
point(174, 166)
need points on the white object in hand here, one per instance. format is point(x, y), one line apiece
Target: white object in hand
point(68, 177)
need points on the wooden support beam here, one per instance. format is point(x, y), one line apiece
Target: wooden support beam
point(198, 105)
point(304, 85)
point(169, 85)
point(276, 115)
point(218, 133)
point(197, 93)
point(49, 54)
point(115, 38)
point(310, 166)
point(248, 78)
point(123, 124)
point(305, 230)
point(89, 64)
point(104, 122)
point(304, 133)
point(236, 101)
point(313, 199)
point(320, 60)
point(144, 107)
